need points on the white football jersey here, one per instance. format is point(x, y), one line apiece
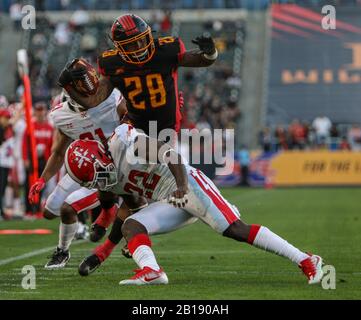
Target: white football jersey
point(7, 153)
point(96, 123)
point(153, 181)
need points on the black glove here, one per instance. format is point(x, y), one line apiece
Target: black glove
point(205, 44)
point(68, 75)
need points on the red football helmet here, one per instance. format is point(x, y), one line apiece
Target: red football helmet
point(87, 162)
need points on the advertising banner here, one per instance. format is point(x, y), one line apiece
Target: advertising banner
point(307, 168)
point(314, 71)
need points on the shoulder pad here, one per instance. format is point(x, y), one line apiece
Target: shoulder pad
point(109, 62)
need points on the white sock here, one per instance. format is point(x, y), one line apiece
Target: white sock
point(144, 257)
point(17, 207)
point(81, 227)
point(8, 197)
point(66, 234)
point(269, 241)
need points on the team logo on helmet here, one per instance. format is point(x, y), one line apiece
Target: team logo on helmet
point(87, 162)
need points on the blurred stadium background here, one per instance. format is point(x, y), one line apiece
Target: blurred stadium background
point(290, 89)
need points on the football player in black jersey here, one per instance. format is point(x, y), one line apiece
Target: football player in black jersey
point(145, 70)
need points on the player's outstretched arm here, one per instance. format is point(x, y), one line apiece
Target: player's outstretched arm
point(56, 159)
point(165, 154)
point(122, 109)
point(53, 165)
point(205, 56)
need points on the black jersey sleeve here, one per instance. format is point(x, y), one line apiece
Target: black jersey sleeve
point(172, 49)
point(109, 63)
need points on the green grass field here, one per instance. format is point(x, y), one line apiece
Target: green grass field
point(203, 265)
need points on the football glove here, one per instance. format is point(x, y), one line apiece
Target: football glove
point(68, 75)
point(178, 198)
point(35, 190)
point(205, 44)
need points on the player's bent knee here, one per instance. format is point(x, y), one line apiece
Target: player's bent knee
point(68, 214)
point(238, 230)
point(48, 215)
point(131, 228)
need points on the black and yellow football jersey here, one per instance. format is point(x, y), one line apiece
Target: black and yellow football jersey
point(151, 89)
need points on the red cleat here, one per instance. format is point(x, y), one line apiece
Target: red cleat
point(312, 268)
point(146, 276)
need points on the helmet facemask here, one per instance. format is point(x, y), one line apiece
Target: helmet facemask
point(138, 49)
point(105, 177)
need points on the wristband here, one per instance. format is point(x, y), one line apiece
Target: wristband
point(211, 56)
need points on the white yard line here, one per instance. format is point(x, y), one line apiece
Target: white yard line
point(33, 254)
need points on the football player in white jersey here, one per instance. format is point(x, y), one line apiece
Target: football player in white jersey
point(137, 164)
point(73, 121)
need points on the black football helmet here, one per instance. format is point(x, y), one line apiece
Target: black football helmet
point(132, 36)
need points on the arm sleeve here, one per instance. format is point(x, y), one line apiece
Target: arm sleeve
point(182, 50)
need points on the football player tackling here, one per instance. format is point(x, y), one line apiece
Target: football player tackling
point(182, 192)
point(145, 70)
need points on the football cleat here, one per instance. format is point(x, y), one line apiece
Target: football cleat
point(125, 252)
point(89, 265)
point(58, 259)
point(312, 268)
point(97, 232)
point(146, 276)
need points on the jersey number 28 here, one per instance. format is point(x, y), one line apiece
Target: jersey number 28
point(155, 87)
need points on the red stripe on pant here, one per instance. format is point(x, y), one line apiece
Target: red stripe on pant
point(85, 203)
point(218, 201)
point(204, 178)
